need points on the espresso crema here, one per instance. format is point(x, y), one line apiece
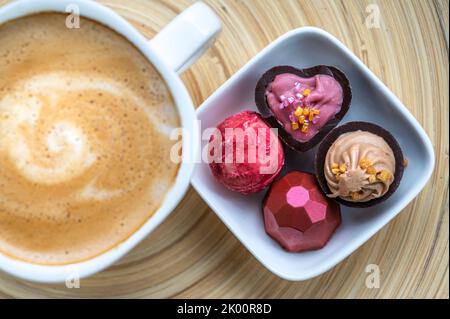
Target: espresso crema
point(85, 124)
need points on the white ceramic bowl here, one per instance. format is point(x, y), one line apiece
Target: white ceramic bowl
point(372, 101)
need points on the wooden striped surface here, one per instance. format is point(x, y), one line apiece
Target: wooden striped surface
point(192, 254)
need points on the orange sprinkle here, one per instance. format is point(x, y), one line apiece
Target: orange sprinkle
point(384, 175)
point(301, 119)
point(365, 163)
point(371, 170)
point(306, 111)
point(356, 195)
point(336, 171)
point(305, 128)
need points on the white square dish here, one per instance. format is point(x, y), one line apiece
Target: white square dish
point(372, 101)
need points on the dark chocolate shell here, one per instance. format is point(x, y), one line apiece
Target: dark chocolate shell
point(268, 116)
point(351, 127)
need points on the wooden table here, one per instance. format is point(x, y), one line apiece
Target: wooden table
point(194, 255)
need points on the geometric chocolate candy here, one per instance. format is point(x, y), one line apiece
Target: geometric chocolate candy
point(297, 215)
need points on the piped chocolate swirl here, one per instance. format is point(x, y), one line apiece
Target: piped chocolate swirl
point(359, 164)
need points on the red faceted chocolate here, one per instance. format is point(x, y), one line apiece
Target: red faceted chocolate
point(297, 215)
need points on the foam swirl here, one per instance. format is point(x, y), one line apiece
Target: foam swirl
point(85, 124)
point(52, 150)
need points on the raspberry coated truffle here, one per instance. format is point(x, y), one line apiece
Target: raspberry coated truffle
point(245, 154)
point(297, 215)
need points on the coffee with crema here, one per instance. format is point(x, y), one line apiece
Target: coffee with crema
point(85, 124)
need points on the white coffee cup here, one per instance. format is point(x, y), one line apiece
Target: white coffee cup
point(171, 51)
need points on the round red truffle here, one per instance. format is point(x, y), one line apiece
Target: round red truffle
point(297, 215)
point(245, 153)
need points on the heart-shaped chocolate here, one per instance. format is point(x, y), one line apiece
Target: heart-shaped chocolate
point(324, 126)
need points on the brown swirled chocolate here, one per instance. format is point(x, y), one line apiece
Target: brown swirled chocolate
point(359, 164)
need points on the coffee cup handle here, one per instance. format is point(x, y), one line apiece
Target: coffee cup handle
point(187, 37)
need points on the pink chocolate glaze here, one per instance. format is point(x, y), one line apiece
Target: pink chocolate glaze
point(285, 94)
